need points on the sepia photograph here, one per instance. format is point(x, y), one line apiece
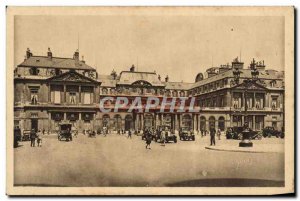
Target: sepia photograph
point(150, 100)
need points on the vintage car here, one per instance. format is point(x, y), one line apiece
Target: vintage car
point(26, 135)
point(170, 136)
point(185, 133)
point(271, 131)
point(65, 132)
point(17, 136)
point(236, 133)
point(151, 131)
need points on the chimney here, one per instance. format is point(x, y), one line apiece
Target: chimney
point(132, 68)
point(159, 78)
point(49, 53)
point(82, 59)
point(28, 53)
point(76, 55)
point(237, 64)
point(167, 79)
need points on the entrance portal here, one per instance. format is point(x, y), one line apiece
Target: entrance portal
point(34, 124)
point(128, 122)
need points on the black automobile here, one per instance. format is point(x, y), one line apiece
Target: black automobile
point(26, 135)
point(151, 131)
point(270, 131)
point(236, 133)
point(185, 133)
point(65, 132)
point(17, 136)
point(170, 136)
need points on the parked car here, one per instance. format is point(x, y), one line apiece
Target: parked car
point(270, 131)
point(185, 133)
point(65, 132)
point(170, 136)
point(237, 133)
point(26, 135)
point(152, 133)
point(17, 136)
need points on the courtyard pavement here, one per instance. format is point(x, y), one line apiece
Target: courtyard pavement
point(116, 160)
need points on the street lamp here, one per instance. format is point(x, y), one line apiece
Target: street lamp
point(246, 142)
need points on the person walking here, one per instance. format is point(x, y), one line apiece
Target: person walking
point(219, 134)
point(212, 136)
point(148, 139)
point(163, 137)
point(32, 138)
point(129, 134)
point(39, 138)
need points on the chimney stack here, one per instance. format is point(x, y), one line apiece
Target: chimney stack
point(167, 79)
point(132, 68)
point(28, 53)
point(159, 78)
point(76, 55)
point(49, 53)
point(82, 59)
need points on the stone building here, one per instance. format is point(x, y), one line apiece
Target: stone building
point(50, 90)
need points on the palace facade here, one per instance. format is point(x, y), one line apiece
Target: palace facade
point(50, 90)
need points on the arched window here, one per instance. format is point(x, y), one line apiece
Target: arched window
point(117, 122)
point(202, 123)
point(104, 91)
point(105, 120)
point(221, 123)
point(187, 121)
point(212, 122)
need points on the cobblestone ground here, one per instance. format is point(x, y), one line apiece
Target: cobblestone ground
point(117, 161)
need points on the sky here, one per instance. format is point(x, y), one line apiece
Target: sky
point(177, 46)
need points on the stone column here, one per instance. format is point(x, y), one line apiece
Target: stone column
point(65, 94)
point(79, 94)
point(142, 121)
point(49, 122)
point(49, 93)
point(176, 122)
point(65, 116)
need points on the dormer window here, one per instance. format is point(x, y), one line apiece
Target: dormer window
point(34, 71)
point(57, 71)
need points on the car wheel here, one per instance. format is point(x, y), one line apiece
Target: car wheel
point(269, 135)
point(175, 141)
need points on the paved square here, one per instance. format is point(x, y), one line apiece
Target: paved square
point(117, 161)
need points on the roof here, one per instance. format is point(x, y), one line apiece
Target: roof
point(129, 77)
point(267, 74)
point(178, 85)
point(107, 81)
point(55, 62)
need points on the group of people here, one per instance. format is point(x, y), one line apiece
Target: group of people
point(36, 136)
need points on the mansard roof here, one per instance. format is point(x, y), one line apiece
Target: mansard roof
point(55, 62)
point(129, 77)
point(245, 73)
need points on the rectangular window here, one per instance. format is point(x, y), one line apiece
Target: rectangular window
point(72, 98)
point(274, 104)
point(87, 98)
point(57, 97)
point(34, 97)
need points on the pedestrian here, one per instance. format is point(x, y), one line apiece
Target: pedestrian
point(43, 131)
point(163, 137)
point(219, 134)
point(32, 138)
point(212, 136)
point(39, 138)
point(129, 134)
point(148, 139)
point(104, 131)
point(202, 132)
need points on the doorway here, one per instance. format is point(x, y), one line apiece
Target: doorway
point(34, 124)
